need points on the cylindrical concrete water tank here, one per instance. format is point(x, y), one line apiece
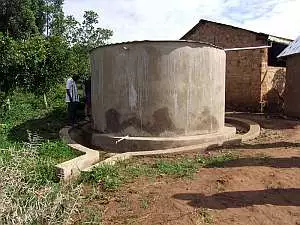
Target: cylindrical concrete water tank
point(158, 88)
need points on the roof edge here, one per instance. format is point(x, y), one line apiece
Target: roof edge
point(203, 21)
point(157, 41)
point(247, 48)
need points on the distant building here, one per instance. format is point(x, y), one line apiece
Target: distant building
point(254, 75)
point(292, 91)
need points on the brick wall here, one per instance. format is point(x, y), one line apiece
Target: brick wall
point(243, 79)
point(226, 36)
point(292, 90)
point(248, 77)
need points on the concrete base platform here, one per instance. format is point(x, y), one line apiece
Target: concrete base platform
point(91, 158)
point(136, 144)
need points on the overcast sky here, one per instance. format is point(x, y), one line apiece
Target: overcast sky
point(171, 19)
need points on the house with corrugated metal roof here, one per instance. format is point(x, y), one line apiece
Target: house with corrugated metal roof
point(254, 75)
point(292, 90)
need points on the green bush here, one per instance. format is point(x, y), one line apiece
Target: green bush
point(35, 64)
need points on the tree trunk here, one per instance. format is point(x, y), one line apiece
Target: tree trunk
point(8, 103)
point(45, 101)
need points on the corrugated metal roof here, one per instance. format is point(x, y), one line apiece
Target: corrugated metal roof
point(292, 49)
point(280, 39)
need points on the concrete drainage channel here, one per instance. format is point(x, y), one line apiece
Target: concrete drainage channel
point(91, 158)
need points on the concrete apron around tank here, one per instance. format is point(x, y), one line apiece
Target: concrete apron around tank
point(91, 158)
point(127, 143)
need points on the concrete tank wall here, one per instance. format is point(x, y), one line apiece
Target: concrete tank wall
point(158, 88)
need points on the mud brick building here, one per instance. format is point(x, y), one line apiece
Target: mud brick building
point(291, 98)
point(254, 75)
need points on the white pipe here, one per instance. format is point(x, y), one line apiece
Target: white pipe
point(246, 48)
point(121, 139)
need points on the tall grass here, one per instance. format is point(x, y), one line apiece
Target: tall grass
point(24, 200)
point(29, 149)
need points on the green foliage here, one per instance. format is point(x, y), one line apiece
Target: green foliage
point(182, 168)
point(86, 34)
point(10, 61)
point(30, 193)
point(39, 7)
point(144, 203)
point(135, 171)
point(107, 175)
point(218, 160)
point(33, 62)
point(36, 64)
point(54, 17)
point(56, 150)
point(112, 176)
point(82, 37)
point(17, 18)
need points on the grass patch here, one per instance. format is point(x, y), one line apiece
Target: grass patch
point(26, 198)
point(29, 149)
point(110, 177)
point(182, 168)
point(217, 160)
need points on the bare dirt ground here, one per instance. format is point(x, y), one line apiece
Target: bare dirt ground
point(262, 188)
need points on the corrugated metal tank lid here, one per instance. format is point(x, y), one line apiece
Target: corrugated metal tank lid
point(160, 41)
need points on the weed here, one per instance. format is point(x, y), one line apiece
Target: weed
point(217, 161)
point(92, 217)
point(144, 203)
point(136, 171)
point(203, 216)
point(182, 168)
point(106, 175)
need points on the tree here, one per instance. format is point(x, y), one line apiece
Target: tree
point(17, 18)
point(10, 61)
point(39, 8)
point(35, 64)
point(54, 17)
point(86, 34)
point(82, 37)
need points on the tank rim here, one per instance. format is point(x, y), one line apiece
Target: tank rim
point(158, 41)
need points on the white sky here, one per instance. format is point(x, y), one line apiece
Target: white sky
point(171, 19)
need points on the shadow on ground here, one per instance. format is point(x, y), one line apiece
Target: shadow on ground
point(239, 199)
point(274, 122)
point(46, 127)
point(280, 144)
point(293, 162)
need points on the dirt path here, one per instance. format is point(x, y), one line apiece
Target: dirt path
point(260, 190)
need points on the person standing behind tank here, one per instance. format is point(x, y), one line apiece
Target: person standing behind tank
point(72, 98)
point(88, 96)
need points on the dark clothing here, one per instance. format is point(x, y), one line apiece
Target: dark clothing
point(88, 91)
point(72, 112)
